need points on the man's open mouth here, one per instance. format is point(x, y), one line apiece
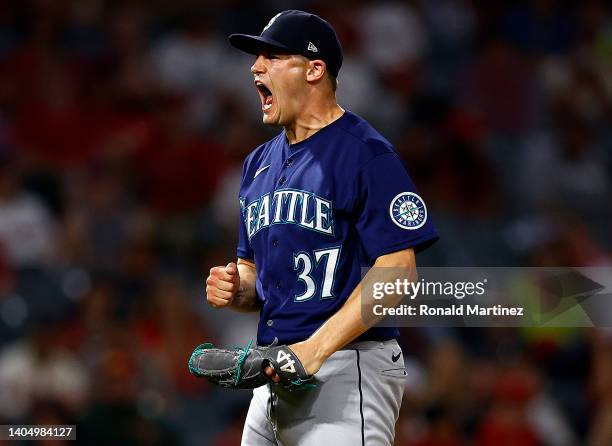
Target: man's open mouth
point(265, 95)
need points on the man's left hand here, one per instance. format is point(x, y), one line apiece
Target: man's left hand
point(309, 356)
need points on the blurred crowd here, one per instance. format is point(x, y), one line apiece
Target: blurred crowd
point(123, 125)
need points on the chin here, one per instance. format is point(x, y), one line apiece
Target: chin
point(270, 120)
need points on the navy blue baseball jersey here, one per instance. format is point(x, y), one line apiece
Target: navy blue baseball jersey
point(314, 213)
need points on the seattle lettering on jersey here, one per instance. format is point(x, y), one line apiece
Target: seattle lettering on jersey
point(289, 206)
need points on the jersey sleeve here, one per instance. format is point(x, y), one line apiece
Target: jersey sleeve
point(244, 250)
point(391, 215)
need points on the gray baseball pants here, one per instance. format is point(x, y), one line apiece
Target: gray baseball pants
point(356, 402)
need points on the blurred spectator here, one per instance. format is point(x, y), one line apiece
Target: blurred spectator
point(566, 169)
point(499, 88)
point(189, 61)
point(166, 329)
point(452, 23)
point(49, 413)
point(506, 422)
point(26, 226)
point(443, 429)
point(39, 369)
point(98, 229)
point(116, 404)
point(393, 34)
point(540, 26)
point(181, 167)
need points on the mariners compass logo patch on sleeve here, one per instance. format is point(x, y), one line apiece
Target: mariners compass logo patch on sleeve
point(408, 211)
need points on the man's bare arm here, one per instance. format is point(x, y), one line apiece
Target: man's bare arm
point(246, 296)
point(347, 324)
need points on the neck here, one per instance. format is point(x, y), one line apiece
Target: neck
point(312, 119)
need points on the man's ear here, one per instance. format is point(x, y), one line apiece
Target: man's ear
point(316, 70)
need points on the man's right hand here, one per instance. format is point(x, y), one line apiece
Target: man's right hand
point(222, 285)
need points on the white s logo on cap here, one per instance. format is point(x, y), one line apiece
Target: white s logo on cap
point(271, 21)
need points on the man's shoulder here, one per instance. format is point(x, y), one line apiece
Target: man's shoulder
point(363, 138)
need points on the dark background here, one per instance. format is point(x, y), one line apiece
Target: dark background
point(123, 125)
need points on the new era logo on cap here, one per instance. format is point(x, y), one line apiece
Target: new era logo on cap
point(312, 48)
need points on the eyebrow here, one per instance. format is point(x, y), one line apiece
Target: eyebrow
point(272, 51)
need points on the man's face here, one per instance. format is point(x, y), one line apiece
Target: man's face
point(280, 80)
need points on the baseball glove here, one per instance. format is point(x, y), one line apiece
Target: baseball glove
point(243, 368)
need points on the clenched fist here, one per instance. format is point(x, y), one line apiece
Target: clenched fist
point(222, 285)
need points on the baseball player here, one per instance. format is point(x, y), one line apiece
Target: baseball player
point(323, 199)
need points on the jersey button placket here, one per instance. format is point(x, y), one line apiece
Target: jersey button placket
point(288, 162)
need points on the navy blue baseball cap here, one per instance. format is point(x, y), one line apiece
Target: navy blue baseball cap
point(296, 32)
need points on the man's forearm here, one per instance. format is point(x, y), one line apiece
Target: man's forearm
point(347, 324)
point(246, 296)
